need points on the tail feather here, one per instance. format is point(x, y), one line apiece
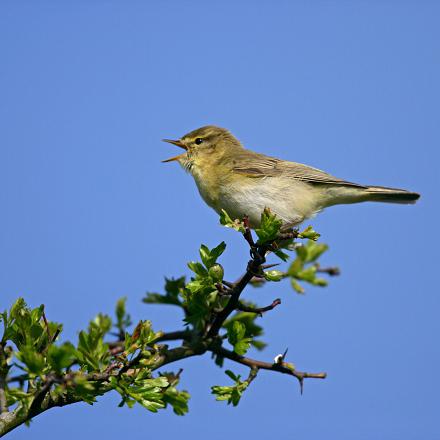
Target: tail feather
point(391, 195)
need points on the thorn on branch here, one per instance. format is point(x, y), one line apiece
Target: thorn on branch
point(221, 290)
point(260, 365)
point(269, 266)
point(279, 358)
point(228, 284)
point(56, 334)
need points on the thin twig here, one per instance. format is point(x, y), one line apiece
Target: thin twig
point(279, 367)
point(332, 271)
point(117, 347)
point(258, 257)
point(260, 310)
point(49, 337)
point(252, 375)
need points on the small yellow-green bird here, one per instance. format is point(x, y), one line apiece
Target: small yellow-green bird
point(243, 182)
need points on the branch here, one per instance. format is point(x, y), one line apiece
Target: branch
point(117, 347)
point(3, 401)
point(260, 310)
point(258, 257)
point(10, 420)
point(255, 364)
point(3, 374)
point(62, 385)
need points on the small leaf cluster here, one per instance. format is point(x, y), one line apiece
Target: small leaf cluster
point(83, 371)
point(199, 297)
point(237, 337)
point(231, 394)
point(152, 393)
point(248, 321)
point(35, 365)
point(173, 293)
point(227, 221)
point(270, 227)
point(201, 294)
point(303, 268)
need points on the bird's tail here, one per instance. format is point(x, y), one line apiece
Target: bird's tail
point(390, 195)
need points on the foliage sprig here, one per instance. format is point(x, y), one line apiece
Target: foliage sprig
point(39, 371)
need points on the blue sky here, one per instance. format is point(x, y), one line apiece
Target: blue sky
point(89, 214)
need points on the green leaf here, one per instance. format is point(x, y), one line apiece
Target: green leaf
point(102, 324)
point(217, 251)
point(237, 338)
point(198, 269)
point(311, 251)
point(123, 319)
point(270, 226)
point(308, 274)
point(225, 220)
point(17, 308)
point(86, 389)
point(314, 251)
point(120, 309)
point(60, 357)
point(147, 392)
point(173, 288)
point(231, 394)
point(209, 256)
point(309, 233)
point(142, 336)
point(216, 272)
point(92, 352)
point(248, 319)
point(321, 282)
point(33, 360)
point(274, 275)
point(177, 399)
point(282, 255)
point(296, 286)
point(205, 254)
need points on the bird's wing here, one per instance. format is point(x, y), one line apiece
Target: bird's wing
point(259, 166)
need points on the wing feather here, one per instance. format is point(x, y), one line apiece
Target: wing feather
point(256, 165)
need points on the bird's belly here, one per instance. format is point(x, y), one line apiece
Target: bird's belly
point(291, 201)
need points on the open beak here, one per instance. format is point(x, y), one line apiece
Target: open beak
point(177, 143)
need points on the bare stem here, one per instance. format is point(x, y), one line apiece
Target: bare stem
point(259, 310)
point(279, 367)
point(3, 374)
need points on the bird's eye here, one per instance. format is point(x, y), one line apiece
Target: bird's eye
point(198, 141)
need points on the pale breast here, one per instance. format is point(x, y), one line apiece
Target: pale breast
point(290, 200)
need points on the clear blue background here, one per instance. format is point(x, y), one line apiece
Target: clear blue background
point(89, 214)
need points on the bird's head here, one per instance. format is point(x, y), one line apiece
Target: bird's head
point(204, 146)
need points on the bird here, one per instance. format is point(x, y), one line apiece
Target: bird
point(243, 183)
